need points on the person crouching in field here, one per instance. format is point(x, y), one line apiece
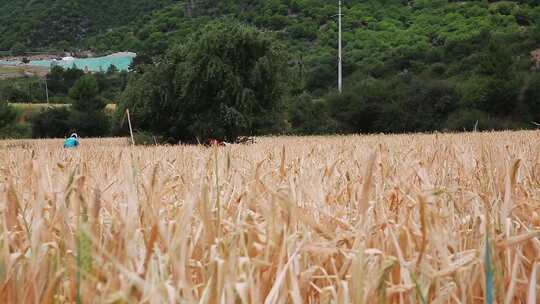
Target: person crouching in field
point(71, 142)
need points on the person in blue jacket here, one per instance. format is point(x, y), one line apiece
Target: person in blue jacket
point(71, 142)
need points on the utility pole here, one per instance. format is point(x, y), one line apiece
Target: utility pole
point(340, 68)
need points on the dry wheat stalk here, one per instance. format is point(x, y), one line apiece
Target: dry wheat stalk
point(361, 219)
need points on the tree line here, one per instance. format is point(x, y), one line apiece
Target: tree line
point(85, 97)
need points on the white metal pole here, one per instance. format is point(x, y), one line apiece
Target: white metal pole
point(340, 70)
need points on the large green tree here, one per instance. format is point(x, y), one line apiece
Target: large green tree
point(87, 111)
point(85, 95)
point(225, 81)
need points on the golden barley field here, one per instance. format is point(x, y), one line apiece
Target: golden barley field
point(440, 218)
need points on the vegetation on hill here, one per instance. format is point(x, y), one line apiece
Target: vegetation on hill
point(78, 102)
point(408, 65)
point(64, 24)
point(59, 81)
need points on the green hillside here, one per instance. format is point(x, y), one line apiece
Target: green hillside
point(409, 65)
point(380, 37)
point(58, 24)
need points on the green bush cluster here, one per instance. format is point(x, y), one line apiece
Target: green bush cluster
point(86, 115)
point(59, 81)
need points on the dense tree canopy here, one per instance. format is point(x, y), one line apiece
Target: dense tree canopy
point(85, 95)
point(87, 116)
point(64, 24)
point(408, 65)
point(224, 82)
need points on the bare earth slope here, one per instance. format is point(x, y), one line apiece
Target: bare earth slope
point(364, 219)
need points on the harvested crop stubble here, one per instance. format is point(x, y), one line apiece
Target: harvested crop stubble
point(360, 219)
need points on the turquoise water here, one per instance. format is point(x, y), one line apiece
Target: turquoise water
point(97, 64)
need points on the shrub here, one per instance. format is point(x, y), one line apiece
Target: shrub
point(89, 124)
point(51, 123)
point(143, 138)
point(7, 118)
point(468, 120)
point(310, 116)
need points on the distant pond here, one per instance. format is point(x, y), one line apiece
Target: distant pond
point(120, 60)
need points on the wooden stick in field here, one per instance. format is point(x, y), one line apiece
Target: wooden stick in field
point(130, 128)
